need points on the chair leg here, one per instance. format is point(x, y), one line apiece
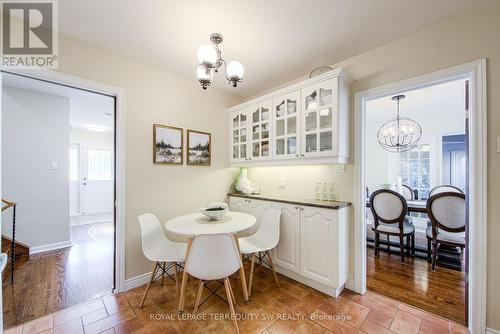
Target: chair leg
point(429, 252)
point(272, 268)
point(230, 302)
point(153, 274)
point(377, 244)
point(434, 254)
point(231, 290)
point(408, 251)
point(402, 248)
point(198, 297)
point(176, 277)
point(388, 244)
point(163, 268)
point(250, 278)
point(413, 244)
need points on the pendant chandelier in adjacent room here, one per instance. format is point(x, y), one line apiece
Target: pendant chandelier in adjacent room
point(399, 134)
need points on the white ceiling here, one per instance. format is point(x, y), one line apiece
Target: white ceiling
point(87, 110)
point(276, 40)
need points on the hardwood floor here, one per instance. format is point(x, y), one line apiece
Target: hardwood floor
point(441, 292)
point(48, 282)
point(293, 308)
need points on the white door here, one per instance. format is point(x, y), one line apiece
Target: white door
point(74, 179)
point(286, 126)
point(286, 254)
point(319, 121)
point(96, 180)
point(317, 241)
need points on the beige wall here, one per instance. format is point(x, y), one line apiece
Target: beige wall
point(157, 96)
point(465, 38)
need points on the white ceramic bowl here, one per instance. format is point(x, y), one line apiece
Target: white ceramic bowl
point(214, 214)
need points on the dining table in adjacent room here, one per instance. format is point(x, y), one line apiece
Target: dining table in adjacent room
point(191, 225)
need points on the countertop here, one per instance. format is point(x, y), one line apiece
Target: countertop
point(335, 205)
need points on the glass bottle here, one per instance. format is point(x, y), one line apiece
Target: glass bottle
point(333, 193)
point(325, 192)
point(317, 192)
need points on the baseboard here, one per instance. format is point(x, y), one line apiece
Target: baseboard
point(136, 281)
point(492, 331)
point(349, 285)
point(50, 247)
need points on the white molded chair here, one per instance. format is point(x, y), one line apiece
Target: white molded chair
point(156, 247)
point(214, 257)
point(263, 241)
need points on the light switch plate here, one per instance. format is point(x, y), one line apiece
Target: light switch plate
point(339, 168)
point(54, 165)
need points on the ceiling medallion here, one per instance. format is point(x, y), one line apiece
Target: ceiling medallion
point(399, 134)
point(210, 60)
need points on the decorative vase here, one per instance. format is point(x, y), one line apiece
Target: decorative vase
point(243, 184)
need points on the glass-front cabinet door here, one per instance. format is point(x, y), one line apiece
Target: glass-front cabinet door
point(260, 131)
point(320, 119)
point(239, 135)
point(286, 128)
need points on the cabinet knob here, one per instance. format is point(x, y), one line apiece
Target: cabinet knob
point(301, 208)
point(296, 207)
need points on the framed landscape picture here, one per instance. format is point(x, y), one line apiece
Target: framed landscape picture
point(168, 145)
point(198, 148)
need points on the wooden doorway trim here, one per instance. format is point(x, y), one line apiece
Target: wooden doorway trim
point(476, 73)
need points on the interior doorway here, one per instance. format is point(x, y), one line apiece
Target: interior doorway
point(436, 161)
point(71, 172)
point(475, 265)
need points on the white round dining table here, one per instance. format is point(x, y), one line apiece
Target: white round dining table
point(194, 224)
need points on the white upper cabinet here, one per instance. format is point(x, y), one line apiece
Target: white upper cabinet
point(239, 136)
point(260, 126)
point(286, 120)
point(305, 123)
point(320, 119)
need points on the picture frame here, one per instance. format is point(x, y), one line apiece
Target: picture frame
point(168, 145)
point(199, 148)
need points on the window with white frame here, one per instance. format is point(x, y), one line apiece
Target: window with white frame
point(414, 169)
point(99, 165)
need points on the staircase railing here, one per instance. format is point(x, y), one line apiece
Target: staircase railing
point(6, 205)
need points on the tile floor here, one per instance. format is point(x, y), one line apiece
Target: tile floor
point(293, 308)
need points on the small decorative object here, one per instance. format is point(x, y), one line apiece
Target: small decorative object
point(243, 184)
point(319, 70)
point(385, 186)
point(210, 60)
point(215, 211)
point(168, 145)
point(399, 134)
point(256, 189)
point(198, 148)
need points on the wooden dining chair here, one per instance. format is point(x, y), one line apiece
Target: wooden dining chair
point(408, 193)
point(389, 209)
point(446, 212)
point(444, 188)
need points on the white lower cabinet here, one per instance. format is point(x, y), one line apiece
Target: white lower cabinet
point(287, 254)
point(314, 242)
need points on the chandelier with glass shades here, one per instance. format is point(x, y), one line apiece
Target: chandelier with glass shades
point(399, 134)
point(210, 60)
